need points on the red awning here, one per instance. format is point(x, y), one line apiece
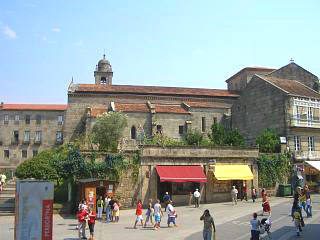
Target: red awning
point(181, 174)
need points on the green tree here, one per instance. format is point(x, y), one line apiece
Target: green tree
point(193, 137)
point(221, 136)
point(108, 130)
point(39, 167)
point(268, 141)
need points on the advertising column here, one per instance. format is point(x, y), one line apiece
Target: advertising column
point(34, 209)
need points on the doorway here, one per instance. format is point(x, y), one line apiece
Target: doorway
point(164, 187)
point(101, 191)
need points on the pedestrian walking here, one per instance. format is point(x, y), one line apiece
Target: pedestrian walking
point(92, 220)
point(296, 218)
point(149, 214)
point(234, 195)
point(100, 204)
point(255, 227)
point(157, 215)
point(296, 206)
point(108, 208)
point(82, 217)
point(111, 203)
point(3, 181)
point(254, 194)
point(196, 196)
point(139, 217)
point(116, 210)
point(166, 199)
point(265, 203)
point(208, 224)
point(244, 194)
point(308, 201)
point(172, 214)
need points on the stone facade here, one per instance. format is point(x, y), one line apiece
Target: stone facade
point(28, 129)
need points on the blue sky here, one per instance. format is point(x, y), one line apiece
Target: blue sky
point(169, 43)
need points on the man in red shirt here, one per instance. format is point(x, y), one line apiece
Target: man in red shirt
point(139, 214)
point(92, 220)
point(82, 216)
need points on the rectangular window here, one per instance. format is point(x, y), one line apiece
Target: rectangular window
point(6, 119)
point(59, 137)
point(24, 154)
point(310, 116)
point(181, 128)
point(26, 138)
point(38, 119)
point(6, 154)
point(60, 119)
point(297, 143)
point(34, 153)
point(16, 119)
point(298, 114)
point(311, 144)
point(203, 124)
point(215, 120)
point(15, 136)
point(37, 138)
point(28, 119)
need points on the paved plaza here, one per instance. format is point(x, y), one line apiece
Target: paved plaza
point(232, 223)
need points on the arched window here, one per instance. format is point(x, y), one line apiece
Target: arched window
point(133, 132)
point(103, 80)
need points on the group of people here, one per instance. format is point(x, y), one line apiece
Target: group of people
point(244, 194)
point(3, 178)
point(111, 207)
point(301, 200)
point(86, 218)
point(155, 212)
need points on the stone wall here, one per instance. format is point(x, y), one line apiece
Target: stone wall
point(260, 106)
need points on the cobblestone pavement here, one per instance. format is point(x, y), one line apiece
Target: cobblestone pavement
point(231, 222)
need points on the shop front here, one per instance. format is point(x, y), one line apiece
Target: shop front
point(312, 173)
point(180, 181)
point(91, 189)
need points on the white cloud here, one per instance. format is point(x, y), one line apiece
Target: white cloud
point(57, 30)
point(9, 32)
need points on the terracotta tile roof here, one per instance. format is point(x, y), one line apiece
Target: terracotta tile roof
point(34, 107)
point(132, 107)
point(252, 69)
point(170, 108)
point(95, 112)
point(292, 87)
point(149, 90)
point(208, 105)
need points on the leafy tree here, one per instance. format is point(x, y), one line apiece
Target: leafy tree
point(108, 130)
point(222, 136)
point(39, 167)
point(193, 137)
point(268, 141)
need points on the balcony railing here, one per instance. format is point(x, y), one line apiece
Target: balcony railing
point(302, 121)
point(307, 155)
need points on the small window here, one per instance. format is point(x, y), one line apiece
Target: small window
point(181, 128)
point(59, 137)
point(16, 119)
point(37, 138)
point(24, 154)
point(215, 120)
point(38, 119)
point(133, 132)
point(6, 154)
point(311, 147)
point(28, 119)
point(159, 129)
point(34, 153)
point(26, 138)
point(297, 143)
point(60, 119)
point(203, 124)
point(15, 136)
point(103, 80)
point(6, 119)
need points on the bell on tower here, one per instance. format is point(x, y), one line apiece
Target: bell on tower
point(103, 73)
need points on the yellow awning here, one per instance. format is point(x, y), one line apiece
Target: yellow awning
point(233, 172)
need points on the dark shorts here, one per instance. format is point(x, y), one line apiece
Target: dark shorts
point(255, 235)
point(171, 220)
point(91, 227)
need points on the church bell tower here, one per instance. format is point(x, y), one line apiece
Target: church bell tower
point(103, 73)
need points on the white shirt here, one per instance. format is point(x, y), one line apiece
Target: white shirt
point(3, 178)
point(234, 191)
point(157, 209)
point(170, 210)
point(106, 201)
point(196, 194)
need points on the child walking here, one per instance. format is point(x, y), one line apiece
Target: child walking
point(149, 213)
point(138, 214)
point(297, 220)
point(157, 215)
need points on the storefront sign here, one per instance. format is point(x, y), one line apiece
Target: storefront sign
point(34, 205)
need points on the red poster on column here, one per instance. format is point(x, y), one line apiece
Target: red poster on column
point(47, 214)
